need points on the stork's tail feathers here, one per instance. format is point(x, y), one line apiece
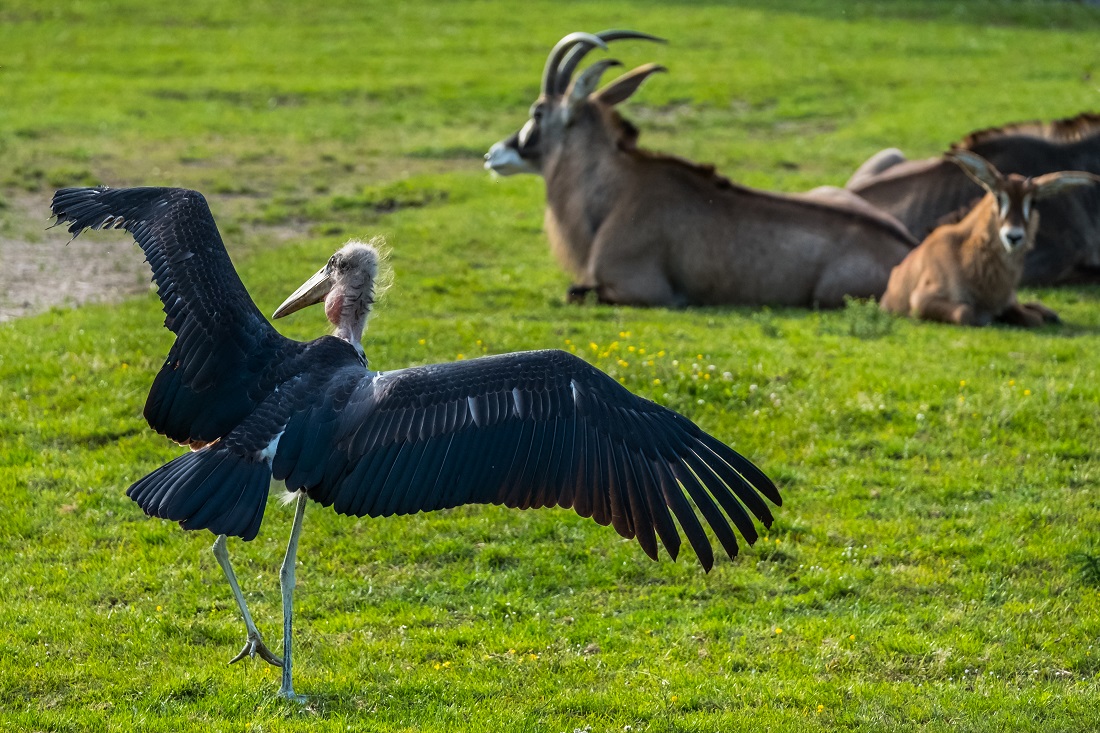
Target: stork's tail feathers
point(212, 488)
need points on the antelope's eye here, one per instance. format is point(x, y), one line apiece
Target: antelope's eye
point(537, 112)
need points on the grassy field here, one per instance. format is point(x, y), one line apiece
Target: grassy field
point(935, 566)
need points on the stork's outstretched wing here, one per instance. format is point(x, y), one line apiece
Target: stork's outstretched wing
point(527, 430)
point(209, 382)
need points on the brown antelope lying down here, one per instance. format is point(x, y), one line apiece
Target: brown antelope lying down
point(921, 193)
point(643, 228)
point(967, 272)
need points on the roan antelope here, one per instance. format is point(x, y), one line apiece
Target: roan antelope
point(967, 272)
point(923, 194)
point(643, 228)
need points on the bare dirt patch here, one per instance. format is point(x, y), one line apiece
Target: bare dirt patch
point(40, 269)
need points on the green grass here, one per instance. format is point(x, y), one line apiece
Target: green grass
point(934, 566)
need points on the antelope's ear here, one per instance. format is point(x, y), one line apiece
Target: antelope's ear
point(984, 173)
point(586, 83)
point(621, 89)
point(1052, 184)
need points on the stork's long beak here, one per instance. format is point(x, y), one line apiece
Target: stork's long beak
point(311, 291)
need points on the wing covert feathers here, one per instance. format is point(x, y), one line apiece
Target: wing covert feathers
point(523, 430)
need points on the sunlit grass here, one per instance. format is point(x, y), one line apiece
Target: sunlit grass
point(930, 567)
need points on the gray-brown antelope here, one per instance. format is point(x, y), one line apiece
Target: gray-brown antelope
point(643, 228)
point(967, 272)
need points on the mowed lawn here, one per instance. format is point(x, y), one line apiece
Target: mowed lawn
point(936, 563)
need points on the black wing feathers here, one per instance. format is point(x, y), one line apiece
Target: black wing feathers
point(524, 430)
point(223, 343)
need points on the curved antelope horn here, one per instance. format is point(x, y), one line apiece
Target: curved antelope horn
point(549, 73)
point(573, 58)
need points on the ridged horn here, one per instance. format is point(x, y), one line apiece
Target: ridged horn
point(549, 74)
point(577, 53)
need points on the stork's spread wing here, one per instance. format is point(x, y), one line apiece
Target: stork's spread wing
point(208, 383)
point(525, 430)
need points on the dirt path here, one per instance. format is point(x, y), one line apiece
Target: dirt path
point(38, 270)
point(41, 268)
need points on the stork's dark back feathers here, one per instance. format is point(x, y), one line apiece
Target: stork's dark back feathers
point(529, 429)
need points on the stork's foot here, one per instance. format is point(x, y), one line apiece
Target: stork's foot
point(288, 693)
point(255, 645)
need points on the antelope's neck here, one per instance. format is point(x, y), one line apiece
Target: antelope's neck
point(580, 193)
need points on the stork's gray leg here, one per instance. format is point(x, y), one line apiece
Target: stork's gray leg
point(255, 644)
point(286, 581)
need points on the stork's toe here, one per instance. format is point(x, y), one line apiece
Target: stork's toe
point(255, 645)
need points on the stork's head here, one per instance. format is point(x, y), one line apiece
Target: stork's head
point(346, 284)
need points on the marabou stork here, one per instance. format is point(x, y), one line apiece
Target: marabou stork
point(526, 430)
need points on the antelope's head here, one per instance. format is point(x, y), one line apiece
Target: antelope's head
point(567, 105)
point(1014, 195)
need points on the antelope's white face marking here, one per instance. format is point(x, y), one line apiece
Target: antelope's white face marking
point(1012, 237)
point(525, 132)
point(506, 161)
point(1014, 210)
